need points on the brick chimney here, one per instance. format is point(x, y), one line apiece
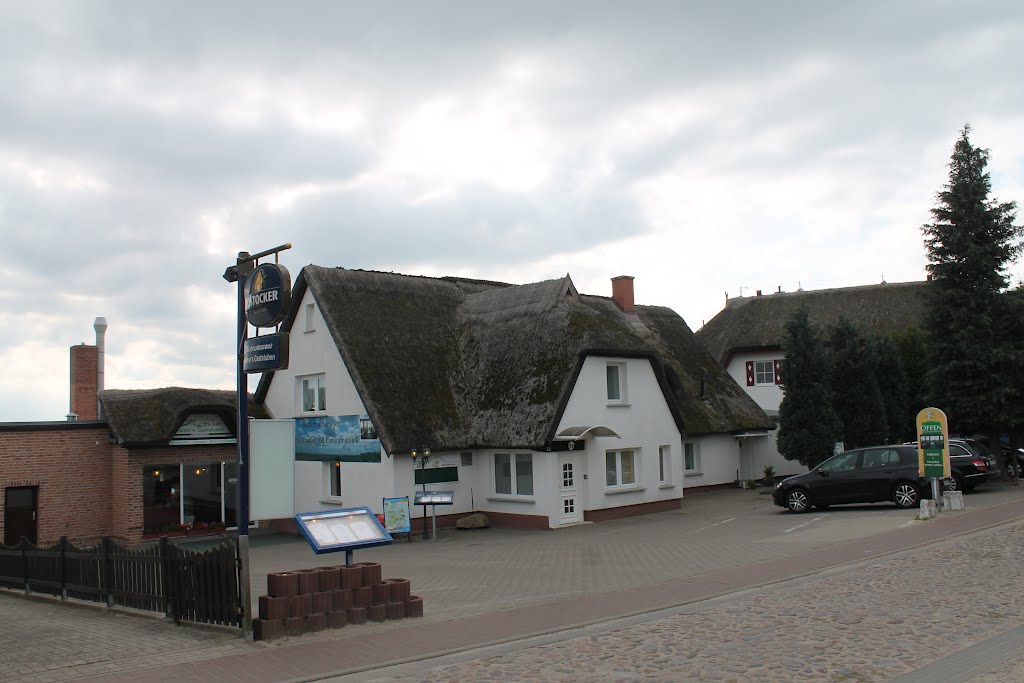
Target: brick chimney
point(622, 293)
point(84, 381)
point(87, 376)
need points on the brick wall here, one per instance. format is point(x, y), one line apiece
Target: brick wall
point(84, 381)
point(71, 466)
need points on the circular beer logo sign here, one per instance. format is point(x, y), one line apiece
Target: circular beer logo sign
point(267, 294)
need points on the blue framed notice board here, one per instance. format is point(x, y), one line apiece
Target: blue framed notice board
point(329, 531)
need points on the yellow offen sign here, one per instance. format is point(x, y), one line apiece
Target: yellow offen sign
point(932, 443)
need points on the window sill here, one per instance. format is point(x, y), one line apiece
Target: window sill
point(666, 486)
point(617, 404)
point(694, 474)
point(630, 489)
point(501, 498)
point(308, 331)
point(331, 500)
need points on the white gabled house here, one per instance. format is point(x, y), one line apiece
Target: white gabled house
point(747, 336)
point(540, 406)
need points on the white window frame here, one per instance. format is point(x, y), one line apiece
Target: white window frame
point(332, 475)
point(760, 372)
point(319, 384)
point(665, 465)
point(692, 449)
point(622, 399)
point(513, 492)
point(310, 309)
point(637, 475)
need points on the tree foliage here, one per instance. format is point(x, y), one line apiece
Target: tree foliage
point(856, 396)
point(970, 245)
point(892, 385)
point(807, 423)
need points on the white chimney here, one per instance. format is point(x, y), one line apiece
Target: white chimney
point(101, 330)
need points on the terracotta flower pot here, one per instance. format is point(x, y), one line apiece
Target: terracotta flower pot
point(414, 606)
point(282, 584)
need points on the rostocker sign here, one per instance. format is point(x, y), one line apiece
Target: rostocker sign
point(267, 293)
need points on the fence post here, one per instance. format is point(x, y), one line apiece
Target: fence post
point(108, 570)
point(63, 567)
point(24, 562)
point(167, 581)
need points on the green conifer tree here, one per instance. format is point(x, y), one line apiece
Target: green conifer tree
point(856, 396)
point(807, 423)
point(970, 244)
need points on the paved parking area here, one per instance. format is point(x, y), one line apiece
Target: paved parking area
point(540, 581)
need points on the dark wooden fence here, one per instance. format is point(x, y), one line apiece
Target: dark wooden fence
point(185, 585)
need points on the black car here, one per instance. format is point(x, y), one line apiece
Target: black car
point(864, 475)
point(970, 464)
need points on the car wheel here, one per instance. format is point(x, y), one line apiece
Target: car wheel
point(905, 495)
point(797, 500)
point(954, 483)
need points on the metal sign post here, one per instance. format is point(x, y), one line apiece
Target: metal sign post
point(244, 266)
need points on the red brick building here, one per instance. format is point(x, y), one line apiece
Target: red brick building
point(125, 464)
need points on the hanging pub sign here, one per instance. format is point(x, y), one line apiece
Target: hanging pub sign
point(268, 292)
point(266, 352)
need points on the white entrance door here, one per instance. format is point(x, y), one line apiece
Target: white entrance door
point(570, 487)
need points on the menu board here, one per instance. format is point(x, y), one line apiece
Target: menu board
point(345, 529)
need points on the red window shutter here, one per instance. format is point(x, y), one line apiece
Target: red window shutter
point(750, 373)
point(778, 371)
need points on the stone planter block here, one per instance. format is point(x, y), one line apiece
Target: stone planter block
point(381, 594)
point(274, 608)
point(323, 602)
point(308, 583)
point(329, 578)
point(357, 615)
point(351, 576)
point(295, 626)
point(362, 597)
point(414, 606)
point(371, 573)
point(337, 619)
point(300, 606)
point(342, 599)
point(396, 610)
point(377, 612)
point(282, 584)
point(316, 622)
point(401, 589)
point(267, 629)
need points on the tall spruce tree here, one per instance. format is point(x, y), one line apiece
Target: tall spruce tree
point(856, 397)
point(807, 423)
point(970, 244)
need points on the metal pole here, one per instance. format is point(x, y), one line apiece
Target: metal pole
point(433, 514)
point(245, 266)
point(935, 494)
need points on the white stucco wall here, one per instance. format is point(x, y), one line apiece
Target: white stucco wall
point(644, 424)
point(767, 396)
point(313, 353)
point(719, 460)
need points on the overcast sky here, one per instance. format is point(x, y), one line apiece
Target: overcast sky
point(706, 148)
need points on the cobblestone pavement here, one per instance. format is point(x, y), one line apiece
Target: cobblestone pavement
point(870, 623)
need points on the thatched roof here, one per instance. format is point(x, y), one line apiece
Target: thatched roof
point(757, 322)
point(150, 417)
point(452, 363)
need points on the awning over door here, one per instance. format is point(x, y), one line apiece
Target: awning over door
point(575, 433)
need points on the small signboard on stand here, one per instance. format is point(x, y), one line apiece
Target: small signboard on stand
point(433, 499)
point(933, 447)
point(329, 531)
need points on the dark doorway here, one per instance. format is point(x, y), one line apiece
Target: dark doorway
point(20, 514)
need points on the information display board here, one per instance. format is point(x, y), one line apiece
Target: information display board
point(329, 531)
point(396, 515)
point(434, 498)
